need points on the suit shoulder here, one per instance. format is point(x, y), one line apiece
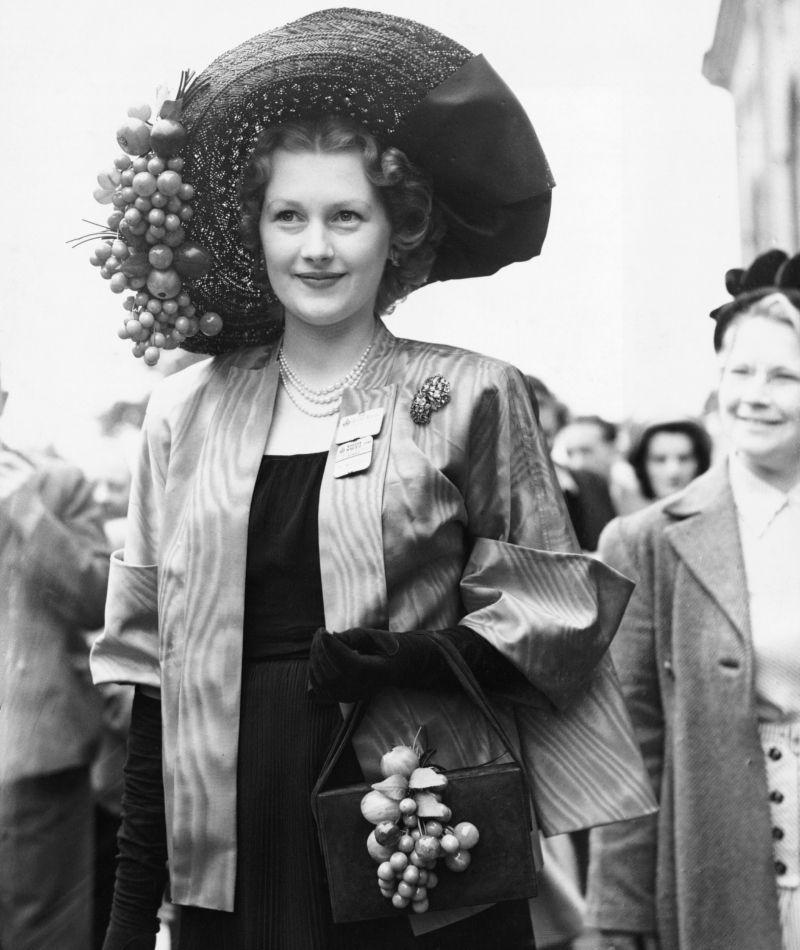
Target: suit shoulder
point(178, 388)
point(642, 528)
point(457, 365)
point(53, 468)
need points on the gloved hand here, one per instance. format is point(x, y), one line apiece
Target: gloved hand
point(345, 667)
point(120, 939)
point(626, 940)
point(352, 665)
point(142, 866)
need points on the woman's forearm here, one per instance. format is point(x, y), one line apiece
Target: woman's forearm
point(142, 867)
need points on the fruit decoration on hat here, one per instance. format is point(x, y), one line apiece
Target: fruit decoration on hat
point(144, 247)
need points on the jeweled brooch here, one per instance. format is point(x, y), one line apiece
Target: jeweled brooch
point(432, 396)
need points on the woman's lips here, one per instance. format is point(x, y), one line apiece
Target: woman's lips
point(319, 281)
point(749, 420)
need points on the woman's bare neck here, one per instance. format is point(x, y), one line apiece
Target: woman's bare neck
point(322, 355)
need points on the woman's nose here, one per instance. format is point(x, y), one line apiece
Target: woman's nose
point(673, 469)
point(756, 390)
point(316, 242)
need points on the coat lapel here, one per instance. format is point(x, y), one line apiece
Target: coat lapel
point(706, 538)
point(226, 473)
point(214, 539)
point(351, 508)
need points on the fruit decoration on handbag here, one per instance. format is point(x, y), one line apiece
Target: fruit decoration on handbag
point(413, 828)
point(143, 248)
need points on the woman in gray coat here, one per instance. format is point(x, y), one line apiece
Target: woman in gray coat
point(709, 657)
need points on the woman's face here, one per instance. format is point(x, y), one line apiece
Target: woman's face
point(326, 237)
point(759, 396)
point(671, 463)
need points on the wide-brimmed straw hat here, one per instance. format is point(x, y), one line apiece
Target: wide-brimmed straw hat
point(412, 88)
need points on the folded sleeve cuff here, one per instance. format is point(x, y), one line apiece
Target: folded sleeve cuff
point(128, 649)
point(553, 615)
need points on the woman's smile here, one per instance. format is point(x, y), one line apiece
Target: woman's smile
point(320, 281)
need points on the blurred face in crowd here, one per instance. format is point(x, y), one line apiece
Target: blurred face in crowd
point(548, 421)
point(585, 448)
point(112, 487)
point(671, 463)
point(759, 395)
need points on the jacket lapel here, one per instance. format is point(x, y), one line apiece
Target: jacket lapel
point(208, 655)
point(226, 473)
point(706, 538)
point(351, 508)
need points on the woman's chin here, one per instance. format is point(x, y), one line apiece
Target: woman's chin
point(328, 316)
point(768, 455)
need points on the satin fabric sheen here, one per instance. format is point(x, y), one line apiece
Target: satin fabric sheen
point(460, 521)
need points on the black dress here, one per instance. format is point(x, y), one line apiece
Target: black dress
point(281, 900)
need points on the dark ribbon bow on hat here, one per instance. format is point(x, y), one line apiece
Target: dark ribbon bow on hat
point(772, 271)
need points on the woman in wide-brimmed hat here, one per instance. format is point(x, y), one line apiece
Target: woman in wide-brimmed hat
point(321, 475)
point(709, 658)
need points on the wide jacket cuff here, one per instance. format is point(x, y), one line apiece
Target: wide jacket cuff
point(128, 650)
point(552, 615)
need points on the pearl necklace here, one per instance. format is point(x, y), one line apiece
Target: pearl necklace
point(330, 396)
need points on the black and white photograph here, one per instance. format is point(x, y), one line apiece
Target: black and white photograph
point(400, 475)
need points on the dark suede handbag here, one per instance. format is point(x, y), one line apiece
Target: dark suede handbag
point(494, 797)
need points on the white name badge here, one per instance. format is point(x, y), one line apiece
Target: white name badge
point(360, 424)
point(353, 456)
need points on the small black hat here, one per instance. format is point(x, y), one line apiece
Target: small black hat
point(412, 88)
point(772, 271)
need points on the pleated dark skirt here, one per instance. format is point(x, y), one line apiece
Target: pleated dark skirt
point(282, 898)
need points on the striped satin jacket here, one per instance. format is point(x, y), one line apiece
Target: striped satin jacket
point(457, 521)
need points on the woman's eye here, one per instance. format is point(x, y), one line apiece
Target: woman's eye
point(285, 216)
point(348, 217)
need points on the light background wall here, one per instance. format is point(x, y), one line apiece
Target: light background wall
point(613, 315)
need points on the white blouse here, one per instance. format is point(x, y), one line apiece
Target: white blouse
point(769, 527)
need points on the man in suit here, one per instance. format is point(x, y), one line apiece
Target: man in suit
point(589, 444)
point(53, 578)
point(585, 492)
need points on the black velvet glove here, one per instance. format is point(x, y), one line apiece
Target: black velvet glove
point(142, 839)
point(352, 665)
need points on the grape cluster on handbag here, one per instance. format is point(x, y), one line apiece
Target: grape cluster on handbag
point(413, 829)
point(414, 797)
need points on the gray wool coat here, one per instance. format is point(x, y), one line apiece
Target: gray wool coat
point(700, 873)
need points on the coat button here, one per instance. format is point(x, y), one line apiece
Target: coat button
point(777, 833)
point(775, 753)
point(780, 868)
point(776, 797)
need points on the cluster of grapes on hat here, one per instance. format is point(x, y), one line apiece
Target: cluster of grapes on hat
point(145, 248)
point(413, 829)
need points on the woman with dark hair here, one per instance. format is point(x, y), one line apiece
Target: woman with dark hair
point(709, 658)
point(669, 455)
point(313, 500)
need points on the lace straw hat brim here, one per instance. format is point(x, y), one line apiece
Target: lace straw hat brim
point(410, 86)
